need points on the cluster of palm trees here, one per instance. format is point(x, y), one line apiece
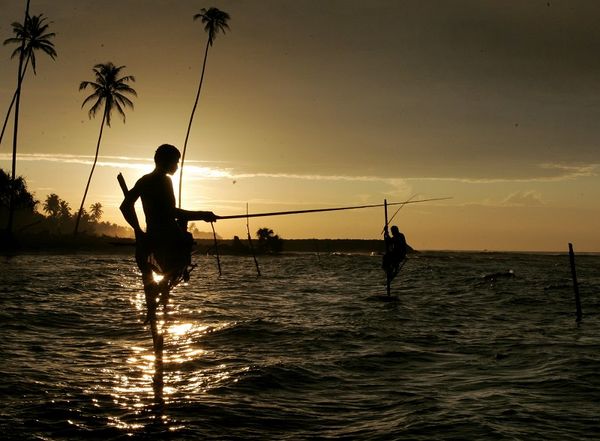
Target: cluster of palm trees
point(59, 218)
point(59, 212)
point(111, 90)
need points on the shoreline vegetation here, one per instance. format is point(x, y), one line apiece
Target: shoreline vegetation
point(85, 243)
point(51, 231)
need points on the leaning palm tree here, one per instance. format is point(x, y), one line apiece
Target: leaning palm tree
point(214, 21)
point(23, 34)
point(30, 37)
point(110, 89)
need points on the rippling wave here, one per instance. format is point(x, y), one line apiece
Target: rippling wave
point(475, 346)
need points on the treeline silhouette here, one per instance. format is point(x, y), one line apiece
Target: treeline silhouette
point(53, 217)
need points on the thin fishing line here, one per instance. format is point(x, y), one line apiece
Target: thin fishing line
point(392, 218)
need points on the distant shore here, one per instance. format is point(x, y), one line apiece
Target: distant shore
point(83, 243)
point(117, 245)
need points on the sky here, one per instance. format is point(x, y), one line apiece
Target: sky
point(313, 104)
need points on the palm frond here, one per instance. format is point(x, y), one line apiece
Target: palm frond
point(118, 108)
point(12, 40)
point(85, 84)
point(123, 100)
point(94, 109)
point(92, 97)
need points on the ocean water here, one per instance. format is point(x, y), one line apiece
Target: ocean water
point(307, 351)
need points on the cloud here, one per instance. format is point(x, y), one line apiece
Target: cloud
point(118, 162)
point(546, 172)
point(520, 198)
point(193, 172)
point(527, 198)
point(569, 172)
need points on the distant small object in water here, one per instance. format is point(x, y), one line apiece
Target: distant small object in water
point(499, 275)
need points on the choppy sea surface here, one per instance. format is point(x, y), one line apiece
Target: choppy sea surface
point(468, 350)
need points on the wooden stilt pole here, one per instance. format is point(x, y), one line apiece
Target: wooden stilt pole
point(575, 284)
point(387, 248)
point(250, 243)
point(216, 248)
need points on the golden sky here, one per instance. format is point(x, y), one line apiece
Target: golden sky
point(310, 104)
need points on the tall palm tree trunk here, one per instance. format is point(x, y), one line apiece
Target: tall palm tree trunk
point(11, 209)
point(91, 173)
point(187, 134)
point(12, 103)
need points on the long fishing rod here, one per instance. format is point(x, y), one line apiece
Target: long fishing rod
point(388, 222)
point(319, 210)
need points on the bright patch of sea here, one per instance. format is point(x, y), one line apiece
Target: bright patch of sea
point(305, 351)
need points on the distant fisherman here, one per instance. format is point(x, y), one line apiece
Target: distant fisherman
point(165, 248)
point(396, 249)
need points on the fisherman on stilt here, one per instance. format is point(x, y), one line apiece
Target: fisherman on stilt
point(396, 248)
point(166, 246)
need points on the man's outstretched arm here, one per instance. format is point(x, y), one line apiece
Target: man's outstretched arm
point(187, 215)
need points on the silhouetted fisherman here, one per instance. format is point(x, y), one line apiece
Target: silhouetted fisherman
point(165, 248)
point(396, 249)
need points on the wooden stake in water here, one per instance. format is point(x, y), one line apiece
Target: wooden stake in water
point(216, 248)
point(575, 284)
point(387, 246)
point(250, 243)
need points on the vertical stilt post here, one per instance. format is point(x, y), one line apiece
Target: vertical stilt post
point(216, 248)
point(387, 248)
point(575, 284)
point(250, 242)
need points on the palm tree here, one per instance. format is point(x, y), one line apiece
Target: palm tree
point(268, 241)
point(22, 198)
point(96, 211)
point(264, 234)
point(30, 37)
point(52, 205)
point(110, 89)
point(214, 21)
point(64, 210)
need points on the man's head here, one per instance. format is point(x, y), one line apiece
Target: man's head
point(395, 230)
point(166, 158)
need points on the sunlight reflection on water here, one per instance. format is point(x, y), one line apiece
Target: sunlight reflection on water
point(304, 347)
